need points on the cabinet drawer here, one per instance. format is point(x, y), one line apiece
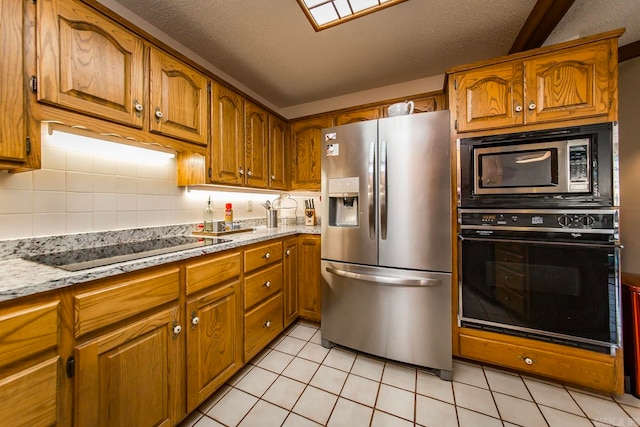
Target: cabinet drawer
point(28, 331)
point(262, 325)
point(262, 255)
point(586, 368)
point(119, 299)
point(18, 392)
point(262, 285)
point(201, 275)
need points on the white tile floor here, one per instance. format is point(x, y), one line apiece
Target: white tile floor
point(297, 382)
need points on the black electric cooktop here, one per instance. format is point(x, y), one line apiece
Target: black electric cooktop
point(82, 259)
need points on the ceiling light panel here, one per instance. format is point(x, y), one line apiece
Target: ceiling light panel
point(327, 13)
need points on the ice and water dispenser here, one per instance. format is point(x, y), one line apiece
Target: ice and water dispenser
point(343, 201)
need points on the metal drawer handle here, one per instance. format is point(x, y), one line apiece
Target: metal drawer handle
point(384, 280)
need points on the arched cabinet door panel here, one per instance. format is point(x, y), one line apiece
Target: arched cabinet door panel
point(178, 99)
point(570, 85)
point(490, 97)
point(89, 64)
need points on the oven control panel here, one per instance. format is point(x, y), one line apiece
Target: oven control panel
point(528, 219)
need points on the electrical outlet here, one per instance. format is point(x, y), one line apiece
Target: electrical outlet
point(249, 205)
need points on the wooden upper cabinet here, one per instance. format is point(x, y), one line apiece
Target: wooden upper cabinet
point(226, 150)
point(569, 84)
point(256, 146)
point(278, 143)
point(306, 138)
point(575, 80)
point(89, 64)
point(429, 104)
point(12, 88)
point(490, 97)
point(178, 99)
point(357, 116)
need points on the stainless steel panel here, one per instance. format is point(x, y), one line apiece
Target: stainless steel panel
point(418, 192)
point(397, 314)
point(353, 156)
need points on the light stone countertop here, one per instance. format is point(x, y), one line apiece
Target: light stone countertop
point(19, 277)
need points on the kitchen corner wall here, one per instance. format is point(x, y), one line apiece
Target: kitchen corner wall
point(78, 192)
point(629, 90)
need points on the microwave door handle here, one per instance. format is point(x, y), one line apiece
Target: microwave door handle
point(383, 190)
point(370, 184)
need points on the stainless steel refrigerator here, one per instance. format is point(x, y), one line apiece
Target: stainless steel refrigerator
point(386, 239)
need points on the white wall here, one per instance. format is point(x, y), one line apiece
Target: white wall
point(78, 192)
point(629, 89)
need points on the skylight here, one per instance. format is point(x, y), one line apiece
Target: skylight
point(327, 13)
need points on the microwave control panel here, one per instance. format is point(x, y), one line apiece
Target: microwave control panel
point(579, 162)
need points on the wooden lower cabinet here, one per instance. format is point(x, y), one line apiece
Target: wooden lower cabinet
point(147, 348)
point(309, 277)
point(213, 324)
point(30, 395)
point(130, 376)
point(30, 366)
point(214, 341)
point(584, 368)
point(290, 280)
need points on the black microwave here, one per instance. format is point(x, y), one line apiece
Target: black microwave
point(567, 167)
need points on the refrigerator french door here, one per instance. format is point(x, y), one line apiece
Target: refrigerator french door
point(386, 239)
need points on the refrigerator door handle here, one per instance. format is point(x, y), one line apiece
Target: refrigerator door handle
point(384, 280)
point(370, 183)
point(383, 190)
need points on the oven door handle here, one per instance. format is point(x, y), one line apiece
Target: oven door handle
point(384, 280)
point(545, 242)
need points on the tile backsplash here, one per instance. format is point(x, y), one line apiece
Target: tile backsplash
point(78, 192)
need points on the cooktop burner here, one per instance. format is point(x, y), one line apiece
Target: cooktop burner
point(82, 259)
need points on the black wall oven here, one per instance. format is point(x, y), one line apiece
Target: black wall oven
point(574, 167)
point(551, 275)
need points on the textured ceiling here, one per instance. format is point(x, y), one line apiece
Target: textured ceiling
point(270, 47)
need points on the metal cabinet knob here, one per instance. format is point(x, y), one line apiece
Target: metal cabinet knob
point(249, 173)
point(267, 324)
point(267, 255)
point(273, 177)
point(139, 107)
point(267, 284)
point(518, 108)
point(532, 105)
point(158, 113)
point(195, 320)
point(241, 171)
point(288, 252)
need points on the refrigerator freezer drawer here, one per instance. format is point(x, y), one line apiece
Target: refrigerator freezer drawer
point(396, 314)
